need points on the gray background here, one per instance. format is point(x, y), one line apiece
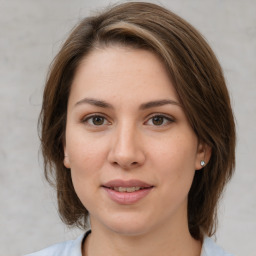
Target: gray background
point(31, 32)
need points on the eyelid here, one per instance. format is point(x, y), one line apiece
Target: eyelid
point(90, 116)
point(169, 118)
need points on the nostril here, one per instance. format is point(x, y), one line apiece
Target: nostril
point(125, 165)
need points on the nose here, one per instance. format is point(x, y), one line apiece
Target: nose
point(126, 148)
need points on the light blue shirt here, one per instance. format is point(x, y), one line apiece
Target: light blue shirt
point(73, 248)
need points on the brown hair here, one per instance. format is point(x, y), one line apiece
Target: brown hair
point(198, 80)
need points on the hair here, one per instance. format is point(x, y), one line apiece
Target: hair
point(196, 75)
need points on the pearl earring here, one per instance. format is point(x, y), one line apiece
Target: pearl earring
point(202, 163)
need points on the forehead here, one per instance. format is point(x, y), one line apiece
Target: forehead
point(120, 72)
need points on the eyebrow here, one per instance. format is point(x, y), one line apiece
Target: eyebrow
point(158, 103)
point(147, 105)
point(94, 102)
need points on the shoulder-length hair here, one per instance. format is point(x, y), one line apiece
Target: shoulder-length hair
point(196, 75)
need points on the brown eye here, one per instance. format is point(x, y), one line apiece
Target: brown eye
point(98, 120)
point(95, 120)
point(158, 120)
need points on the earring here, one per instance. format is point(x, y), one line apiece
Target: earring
point(202, 163)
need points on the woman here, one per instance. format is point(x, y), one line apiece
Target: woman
point(138, 135)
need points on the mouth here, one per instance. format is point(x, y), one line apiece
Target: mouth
point(127, 186)
point(127, 192)
point(127, 189)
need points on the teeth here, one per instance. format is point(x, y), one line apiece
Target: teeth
point(130, 189)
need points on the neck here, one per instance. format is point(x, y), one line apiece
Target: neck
point(170, 242)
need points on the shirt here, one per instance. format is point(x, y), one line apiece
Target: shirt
point(73, 248)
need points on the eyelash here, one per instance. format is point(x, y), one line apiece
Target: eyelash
point(88, 118)
point(166, 119)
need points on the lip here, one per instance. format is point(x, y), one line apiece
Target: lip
point(127, 198)
point(126, 184)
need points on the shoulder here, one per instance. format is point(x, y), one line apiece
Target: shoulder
point(210, 248)
point(68, 248)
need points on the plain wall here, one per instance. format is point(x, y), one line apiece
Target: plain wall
point(30, 35)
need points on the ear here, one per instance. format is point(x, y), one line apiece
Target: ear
point(66, 161)
point(204, 152)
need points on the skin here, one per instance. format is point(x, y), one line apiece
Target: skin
point(125, 142)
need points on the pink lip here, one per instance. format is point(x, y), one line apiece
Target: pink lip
point(126, 183)
point(127, 198)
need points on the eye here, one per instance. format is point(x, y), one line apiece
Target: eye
point(159, 120)
point(95, 120)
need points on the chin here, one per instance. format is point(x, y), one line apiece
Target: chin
point(128, 226)
point(130, 230)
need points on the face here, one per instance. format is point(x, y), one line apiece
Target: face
point(130, 148)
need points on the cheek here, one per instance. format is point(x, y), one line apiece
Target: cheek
point(175, 160)
point(85, 163)
point(177, 152)
point(86, 157)
point(84, 148)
